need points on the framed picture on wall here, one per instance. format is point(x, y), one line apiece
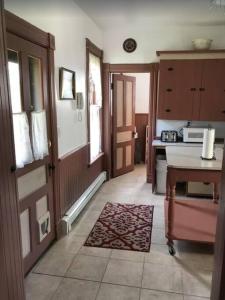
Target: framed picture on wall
point(67, 84)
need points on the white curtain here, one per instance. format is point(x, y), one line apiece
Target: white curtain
point(22, 142)
point(39, 134)
point(95, 131)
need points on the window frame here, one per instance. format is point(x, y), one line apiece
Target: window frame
point(93, 49)
point(38, 51)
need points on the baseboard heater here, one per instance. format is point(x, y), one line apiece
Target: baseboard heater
point(78, 206)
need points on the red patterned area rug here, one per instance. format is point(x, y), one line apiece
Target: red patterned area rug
point(124, 227)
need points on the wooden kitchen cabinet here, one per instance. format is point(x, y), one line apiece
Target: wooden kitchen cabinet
point(192, 90)
point(212, 106)
point(178, 97)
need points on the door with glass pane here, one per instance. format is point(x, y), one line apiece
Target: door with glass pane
point(28, 80)
point(123, 124)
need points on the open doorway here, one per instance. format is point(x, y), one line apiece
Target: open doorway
point(136, 133)
point(141, 111)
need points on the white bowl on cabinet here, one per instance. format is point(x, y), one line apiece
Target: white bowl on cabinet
point(202, 44)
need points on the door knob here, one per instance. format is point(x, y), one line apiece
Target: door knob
point(13, 169)
point(51, 167)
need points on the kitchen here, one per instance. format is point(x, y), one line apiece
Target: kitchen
point(161, 25)
point(187, 148)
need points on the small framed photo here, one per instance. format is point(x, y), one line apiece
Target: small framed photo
point(67, 84)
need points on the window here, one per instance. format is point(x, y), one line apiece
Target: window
point(94, 94)
point(14, 81)
point(29, 115)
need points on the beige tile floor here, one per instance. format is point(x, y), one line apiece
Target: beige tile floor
point(71, 271)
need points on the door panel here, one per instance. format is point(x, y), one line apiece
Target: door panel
point(129, 103)
point(31, 182)
point(29, 94)
point(179, 89)
point(119, 103)
point(128, 155)
point(123, 124)
point(213, 91)
point(25, 232)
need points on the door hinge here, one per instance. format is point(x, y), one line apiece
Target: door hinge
point(112, 86)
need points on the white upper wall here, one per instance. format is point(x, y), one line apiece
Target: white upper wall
point(158, 36)
point(70, 26)
point(150, 12)
point(156, 25)
point(142, 92)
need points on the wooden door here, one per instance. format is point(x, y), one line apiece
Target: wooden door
point(179, 83)
point(213, 90)
point(28, 77)
point(11, 276)
point(123, 124)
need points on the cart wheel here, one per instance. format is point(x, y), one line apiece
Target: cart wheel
point(172, 251)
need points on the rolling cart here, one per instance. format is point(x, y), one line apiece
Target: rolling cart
point(191, 219)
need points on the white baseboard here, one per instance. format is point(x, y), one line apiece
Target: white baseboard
point(79, 205)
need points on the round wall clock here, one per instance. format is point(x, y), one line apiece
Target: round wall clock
point(129, 45)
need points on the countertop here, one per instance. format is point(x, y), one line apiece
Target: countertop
point(190, 158)
point(158, 143)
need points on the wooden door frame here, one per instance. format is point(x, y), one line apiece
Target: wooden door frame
point(11, 261)
point(27, 31)
point(109, 69)
point(91, 48)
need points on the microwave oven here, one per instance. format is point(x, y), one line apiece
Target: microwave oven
point(193, 135)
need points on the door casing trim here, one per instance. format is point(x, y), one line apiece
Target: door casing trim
point(27, 31)
point(108, 70)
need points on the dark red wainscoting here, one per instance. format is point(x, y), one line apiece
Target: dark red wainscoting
point(76, 175)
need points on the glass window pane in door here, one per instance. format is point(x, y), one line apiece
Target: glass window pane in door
point(14, 81)
point(36, 92)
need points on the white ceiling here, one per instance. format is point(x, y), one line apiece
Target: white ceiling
point(109, 13)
